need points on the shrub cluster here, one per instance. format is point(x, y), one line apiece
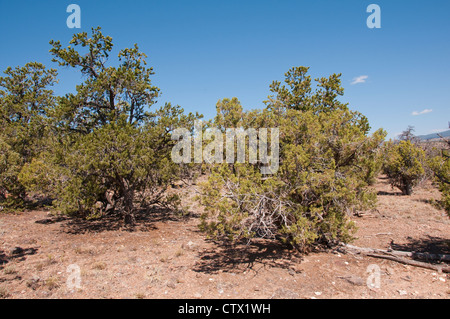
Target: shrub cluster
point(94, 151)
point(104, 149)
point(327, 158)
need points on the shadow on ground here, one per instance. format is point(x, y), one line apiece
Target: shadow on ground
point(17, 254)
point(244, 257)
point(429, 244)
point(393, 193)
point(3, 259)
point(145, 220)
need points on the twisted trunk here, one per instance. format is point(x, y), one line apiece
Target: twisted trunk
point(127, 196)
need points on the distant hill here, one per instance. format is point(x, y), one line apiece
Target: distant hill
point(434, 135)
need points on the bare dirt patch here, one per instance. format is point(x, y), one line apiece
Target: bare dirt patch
point(165, 256)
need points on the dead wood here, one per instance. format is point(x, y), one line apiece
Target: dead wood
point(398, 256)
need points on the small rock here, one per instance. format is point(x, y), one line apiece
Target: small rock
point(402, 292)
point(197, 295)
point(283, 293)
point(34, 282)
point(442, 279)
point(29, 251)
point(16, 251)
point(354, 280)
point(407, 278)
point(190, 245)
point(296, 269)
point(171, 284)
point(318, 293)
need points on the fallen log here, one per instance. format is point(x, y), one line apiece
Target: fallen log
point(415, 263)
point(398, 256)
point(415, 255)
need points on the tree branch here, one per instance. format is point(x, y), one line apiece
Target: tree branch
point(397, 256)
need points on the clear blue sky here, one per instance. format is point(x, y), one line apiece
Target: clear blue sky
point(203, 51)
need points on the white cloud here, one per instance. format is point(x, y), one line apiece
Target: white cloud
point(415, 113)
point(360, 79)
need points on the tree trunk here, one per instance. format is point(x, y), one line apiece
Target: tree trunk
point(407, 188)
point(128, 205)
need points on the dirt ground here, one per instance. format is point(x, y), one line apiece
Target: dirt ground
point(167, 257)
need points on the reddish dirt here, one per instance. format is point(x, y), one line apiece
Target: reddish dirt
point(167, 257)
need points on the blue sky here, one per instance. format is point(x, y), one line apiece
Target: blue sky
point(203, 51)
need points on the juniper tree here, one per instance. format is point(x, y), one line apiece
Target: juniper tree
point(404, 165)
point(323, 150)
point(441, 168)
point(25, 100)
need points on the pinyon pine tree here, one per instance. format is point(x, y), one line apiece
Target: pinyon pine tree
point(108, 149)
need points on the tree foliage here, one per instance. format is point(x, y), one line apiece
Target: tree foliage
point(108, 148)
point(441, 168)
point(321, 178)
point(404, 165)
point(25, 100)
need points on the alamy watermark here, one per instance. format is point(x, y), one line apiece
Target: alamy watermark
point(73, 281)
point(374, 279)
point(191, 148)
point(374, 19)
point(74, 19)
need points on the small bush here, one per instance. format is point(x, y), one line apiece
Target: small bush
point(441, 168)
point(325, 150)
point(404, 165)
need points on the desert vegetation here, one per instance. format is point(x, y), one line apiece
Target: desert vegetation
point(105, 150)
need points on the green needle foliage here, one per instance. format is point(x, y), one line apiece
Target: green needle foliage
point(324, 152)
point(404, 165)
point(25, 100)
point(107, 151)
point(440, 166)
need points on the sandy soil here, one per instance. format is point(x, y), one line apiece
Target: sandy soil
point(167, 257)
